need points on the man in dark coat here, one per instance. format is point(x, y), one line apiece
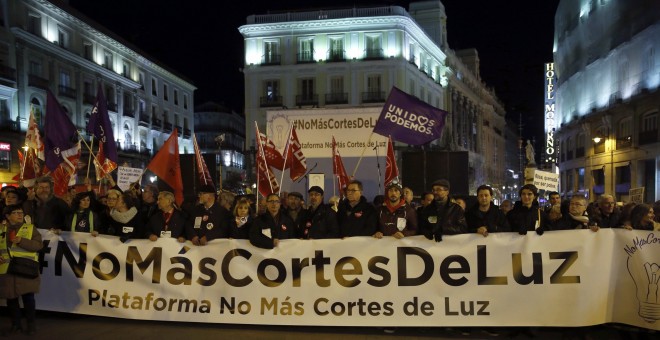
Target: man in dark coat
point(272, 226)
point(167, 222)
point(320, 220)
point(48, 211)
point(396, 217)
point(486, 217)
point(442, 216)
point(606, 214)
point(356, 216)
point(208, 220)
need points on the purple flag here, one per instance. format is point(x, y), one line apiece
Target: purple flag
point(99, 125)
point(59, 133)
point(409, 120)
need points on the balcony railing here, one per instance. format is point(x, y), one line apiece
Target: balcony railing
point(271, 59)
point(38, 82)
point(373, 97)
point(112, 106)
point(157, 124)
point(373, 53)
point(9, 125)
point(336, 55)
point(648, 137)
point(144, 120)
point(167, 127)
point(305, 57)
point(128, 112)
point(7, 72)
point(623, 142)
point(89, 98)
point(67, 91)
point(186, 133)
point(271, 101)
point(336, 98)
point(307, 99)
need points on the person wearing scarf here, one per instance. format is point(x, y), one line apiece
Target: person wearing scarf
point(576, 218)
point(239, 226)
point(125, 218)
point(396, 218)
point(83, 219)
point(320, 220)
point(168, 221)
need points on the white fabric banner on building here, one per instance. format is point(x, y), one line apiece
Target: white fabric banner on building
point(563, 278)
point(315, 128)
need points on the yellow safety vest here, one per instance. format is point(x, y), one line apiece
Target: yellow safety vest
point(25, 231)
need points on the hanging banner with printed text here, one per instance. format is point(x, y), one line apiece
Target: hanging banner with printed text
point(563, 278)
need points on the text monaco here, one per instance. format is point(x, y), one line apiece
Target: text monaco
point(347, 271)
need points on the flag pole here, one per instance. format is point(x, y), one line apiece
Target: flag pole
point(362, 155)
point(89, 160)
point(256, 161)
point(286, 154)
point(24, 162)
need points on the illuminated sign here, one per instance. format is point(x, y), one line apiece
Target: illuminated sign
point(5, 147)
point(550, 81)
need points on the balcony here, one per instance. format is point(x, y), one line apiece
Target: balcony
point(9, 125)
point(373, 97)
point(270, 101)
point(336, 55)
point(623, 142)
point(648, 137)
point(307, 99)
point(187, 133)
point(128, 112)
point(144, 120)
point(157, 124)
point(373, 54)
point(67, 91)
point(336, 98)
point(271, 59)
point(112, 106)
point(167, 127)
point(38, 82)
point(305, 57)
point(7, 73)
point(89, 99)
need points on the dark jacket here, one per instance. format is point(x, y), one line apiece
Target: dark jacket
point(388, 220)
point(281, 227)
point(212, 222)
point(603, 221)
point(157, 224)
point(523, 219)
point(319, 224)
point(50, 214)
point(439, 219)
point(566, 222)
point(129, 228)
point(360, 220)
point(84, 221)
point(494, 219)
point(240, 232)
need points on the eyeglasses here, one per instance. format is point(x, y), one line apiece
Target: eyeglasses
point(17, 213)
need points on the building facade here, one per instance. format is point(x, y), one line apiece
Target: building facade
point(343, 58)
point(221, 131)
point(608, 103)
point(49, 45)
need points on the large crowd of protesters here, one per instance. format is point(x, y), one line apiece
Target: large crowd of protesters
point(147, 213)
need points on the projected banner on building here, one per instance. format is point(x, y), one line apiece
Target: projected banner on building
point(563, 278)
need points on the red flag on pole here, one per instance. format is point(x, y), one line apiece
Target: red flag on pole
point(65, 173)
point(295, 161)
point(266, 181)
point(165, 165)
point(203, 174)
point(33, 138)
point(273, 157)
point(391, 170)
point(338, 167)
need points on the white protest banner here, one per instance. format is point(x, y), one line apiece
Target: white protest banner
point(562, 278)
point(126, 176)
point(315, 128)
point(544, 180)
point(636, 195)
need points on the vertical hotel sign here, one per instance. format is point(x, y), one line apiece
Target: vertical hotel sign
point(550, 81)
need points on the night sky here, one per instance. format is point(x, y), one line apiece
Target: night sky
point(200, 41)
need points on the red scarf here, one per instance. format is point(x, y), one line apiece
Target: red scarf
point(392, 208)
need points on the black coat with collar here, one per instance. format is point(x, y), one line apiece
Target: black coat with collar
point(281, 227)
point(494, 219)
point(360, 220)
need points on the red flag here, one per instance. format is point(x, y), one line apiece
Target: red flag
point(273, 157)
point(33, 138)
point(203, 173)
point(295, 160)
point(391, 171)
point(165, 165)
point(102, 164)
point(65, 174)
point(338, 167)
point(266, 181)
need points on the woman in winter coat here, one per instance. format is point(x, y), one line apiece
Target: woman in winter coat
point(526, 214)
point(83, 219)
point(20, 240)
point(239, 226)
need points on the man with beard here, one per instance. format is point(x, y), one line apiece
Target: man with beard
point(294, 209)
point(48, 211)
point(208, 220)
point(442, 216)
point(356, 216)
point(486, 217)
point(396, 217)
point(320, 219)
